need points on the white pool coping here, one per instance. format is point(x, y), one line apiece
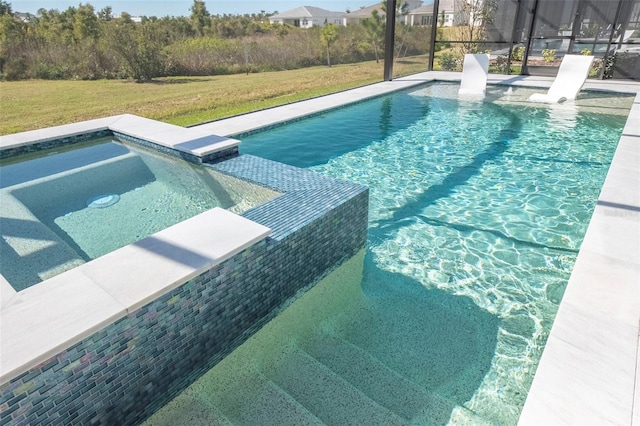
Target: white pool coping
point(195, 141)
point(589, 371)
point(46, 318)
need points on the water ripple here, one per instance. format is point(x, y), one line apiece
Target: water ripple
point(491, 204)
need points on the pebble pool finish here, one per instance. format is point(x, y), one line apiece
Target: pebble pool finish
point(126, 371)
point(476, 217)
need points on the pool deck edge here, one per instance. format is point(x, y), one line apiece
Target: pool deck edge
point(40, 321)
point(196, 141)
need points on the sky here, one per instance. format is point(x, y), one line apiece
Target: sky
point(162, 8)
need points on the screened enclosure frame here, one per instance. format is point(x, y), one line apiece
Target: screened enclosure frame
point(602, 28)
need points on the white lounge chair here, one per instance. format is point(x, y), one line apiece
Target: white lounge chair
point(474, 75)
point(622, 38)
point(572, 74)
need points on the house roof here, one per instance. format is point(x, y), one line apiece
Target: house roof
point(422, 10)
point(447, 5)
point(308, 12)
point(443, 6)
point(365, 12)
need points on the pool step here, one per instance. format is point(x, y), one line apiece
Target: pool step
point(271, 405)
point(327, 395)
point(432, 346)
point(31, 252)
point(249, 398)
point(380, 383)
point(437, 349)
point(462, 416)
point(189, 409)
point(389, 387)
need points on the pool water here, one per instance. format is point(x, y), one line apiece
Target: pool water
point(477, 213)
point(68, 206)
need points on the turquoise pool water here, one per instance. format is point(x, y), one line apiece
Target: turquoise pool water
point(477, 213)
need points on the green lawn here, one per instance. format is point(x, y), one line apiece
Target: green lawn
point(35, 104)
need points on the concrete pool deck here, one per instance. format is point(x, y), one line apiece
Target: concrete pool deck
point(195, 141)
point(589, 371)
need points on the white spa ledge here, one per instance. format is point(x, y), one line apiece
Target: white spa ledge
point(44, 319)
point(195, 140)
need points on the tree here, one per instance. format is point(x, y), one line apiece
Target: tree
point(5, 8)
point(328, 35)
point(402, 31)
point(402, 8)
point(106, 14)
point(85, 23)
point(200, 18)
point(471, 21)
point(140, 47)
point(374, 27)
point(12, 33)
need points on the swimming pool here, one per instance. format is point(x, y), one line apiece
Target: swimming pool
point(478, 222)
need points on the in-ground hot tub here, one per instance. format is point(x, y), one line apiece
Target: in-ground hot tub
point(70, 205)
point(111, 340)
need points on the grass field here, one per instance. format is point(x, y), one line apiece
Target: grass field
point(35, 104)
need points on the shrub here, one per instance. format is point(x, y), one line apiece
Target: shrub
point(501, 65)
point(596, 66)
point(204, 56)
point(609, 64)
point(448, 61)
point(549, 55)
point(517, 53)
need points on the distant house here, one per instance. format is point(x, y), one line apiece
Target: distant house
point(308, 16)
point(24, 17)
point(365, 12)
point(447, 15)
